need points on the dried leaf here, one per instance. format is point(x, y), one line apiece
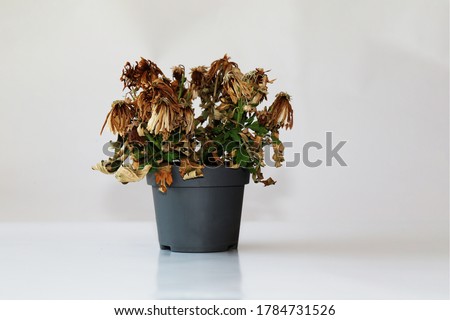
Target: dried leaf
point(278, 154)
point(102, 167)
point(268, 182)
point(163, 177)
point(127, 174)
point(190, 170)
point(192, 175)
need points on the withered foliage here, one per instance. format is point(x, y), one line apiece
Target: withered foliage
point(156, 127)
point(163, 177)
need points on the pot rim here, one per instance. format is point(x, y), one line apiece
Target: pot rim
point(212, 177)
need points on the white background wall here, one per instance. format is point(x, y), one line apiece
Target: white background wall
point(374, 73)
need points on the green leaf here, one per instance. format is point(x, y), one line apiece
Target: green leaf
point(275, 140)
point(169, 156)
point(235, 135)
point(242, 157)
point(255, 126)
point(152, 139)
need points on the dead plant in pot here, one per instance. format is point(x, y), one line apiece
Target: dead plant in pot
point(197, 165)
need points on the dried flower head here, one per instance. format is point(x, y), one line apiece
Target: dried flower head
point(234, 85)
point(164, 117)
point(258, 81)
point(143, 104)
point(178, 73)
point(198, 76)
point(167, 114)
point(188, 119)
point(219, 68)
point(280, 112)
point(177, 83)
point(140, 75)
point(119, 117)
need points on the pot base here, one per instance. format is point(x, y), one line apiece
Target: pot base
point(200, 249)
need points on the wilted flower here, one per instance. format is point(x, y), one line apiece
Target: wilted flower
point(164, 118)
point(141, 75)
point(234, 86)
point(177, 83)
point(220, 67)
point(188, 119)
point(197, 80)
point(166, 111)
point(119, 117)
point(144, 105)
point(258, 80)
point(178, 73)
point(280, 112)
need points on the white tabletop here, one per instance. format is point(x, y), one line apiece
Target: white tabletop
point(275, 260)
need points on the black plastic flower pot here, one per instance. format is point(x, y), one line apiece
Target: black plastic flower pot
point(202, 214)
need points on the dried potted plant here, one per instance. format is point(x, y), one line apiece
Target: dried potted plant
point(205, 160)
